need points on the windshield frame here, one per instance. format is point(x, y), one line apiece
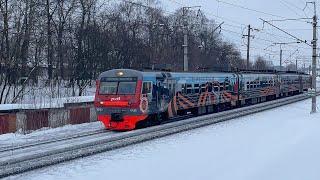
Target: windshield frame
point(119, 80)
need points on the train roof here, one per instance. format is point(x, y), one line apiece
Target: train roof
point(140, 74)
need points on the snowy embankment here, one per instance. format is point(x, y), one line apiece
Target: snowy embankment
point(45, 134)
point(53, 103)
point(277, 144)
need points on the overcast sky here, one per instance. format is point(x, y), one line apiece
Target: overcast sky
point(236, 17)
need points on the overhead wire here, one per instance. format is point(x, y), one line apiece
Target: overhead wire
point(292, 10)
point(251, 9)
point(236, 24)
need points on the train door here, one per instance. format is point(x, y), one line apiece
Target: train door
point(147, 90)
point(171, 86)
point(166, 88)
point(159, 87)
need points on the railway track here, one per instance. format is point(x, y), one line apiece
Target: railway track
point(16, 159)
point(34, 143)
point(48, 141)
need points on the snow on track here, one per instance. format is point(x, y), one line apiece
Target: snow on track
point(282, 143)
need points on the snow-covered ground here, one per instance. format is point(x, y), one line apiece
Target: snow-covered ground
point(277, 144)
point(48, 133)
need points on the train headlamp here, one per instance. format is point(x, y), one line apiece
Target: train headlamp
point(120, 73)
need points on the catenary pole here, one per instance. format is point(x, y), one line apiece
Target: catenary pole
point(185, 40)
point(185, 37)
point(248, 46)
point(314, 61)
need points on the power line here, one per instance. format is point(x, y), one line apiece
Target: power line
point(250, 9)
point(236, 24)
point(273, 35)
point(285, 3)
point(291, 19)
point(293, 5)
point(264, 21)
point(214, 15)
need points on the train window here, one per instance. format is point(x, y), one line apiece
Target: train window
point(210, 87)
point(189, 88)
point(146, 87)
point(127, 87)
point(216, 88)
point(196, 88)
point(108, 88)
point(203, 88)
point(226, 86)
point(221, 88)
point(183, 88)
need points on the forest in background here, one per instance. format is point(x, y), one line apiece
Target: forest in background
point(65, 44)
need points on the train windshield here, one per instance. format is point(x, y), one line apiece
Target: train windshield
point(118, 86)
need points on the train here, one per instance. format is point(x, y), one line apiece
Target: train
point(128, 99)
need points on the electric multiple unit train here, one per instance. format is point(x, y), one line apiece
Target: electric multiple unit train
point(126, 99)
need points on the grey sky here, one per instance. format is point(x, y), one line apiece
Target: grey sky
point(236, 20)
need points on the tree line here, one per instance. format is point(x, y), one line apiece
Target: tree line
point(75, 40)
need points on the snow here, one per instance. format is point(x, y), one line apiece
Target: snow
point(48, 133)
point(53, 103)
point(282, 143)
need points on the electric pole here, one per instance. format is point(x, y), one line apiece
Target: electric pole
point(185, 40)
point(248, 45)
point(314, 60)
point(281, 51)
point(280, 58)
point(185, 37)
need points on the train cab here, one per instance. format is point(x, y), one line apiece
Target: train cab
point(118, 99)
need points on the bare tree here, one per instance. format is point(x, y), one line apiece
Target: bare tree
point(50, 10)
point(67, 43)
point(65, 9)
point(260, 64)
